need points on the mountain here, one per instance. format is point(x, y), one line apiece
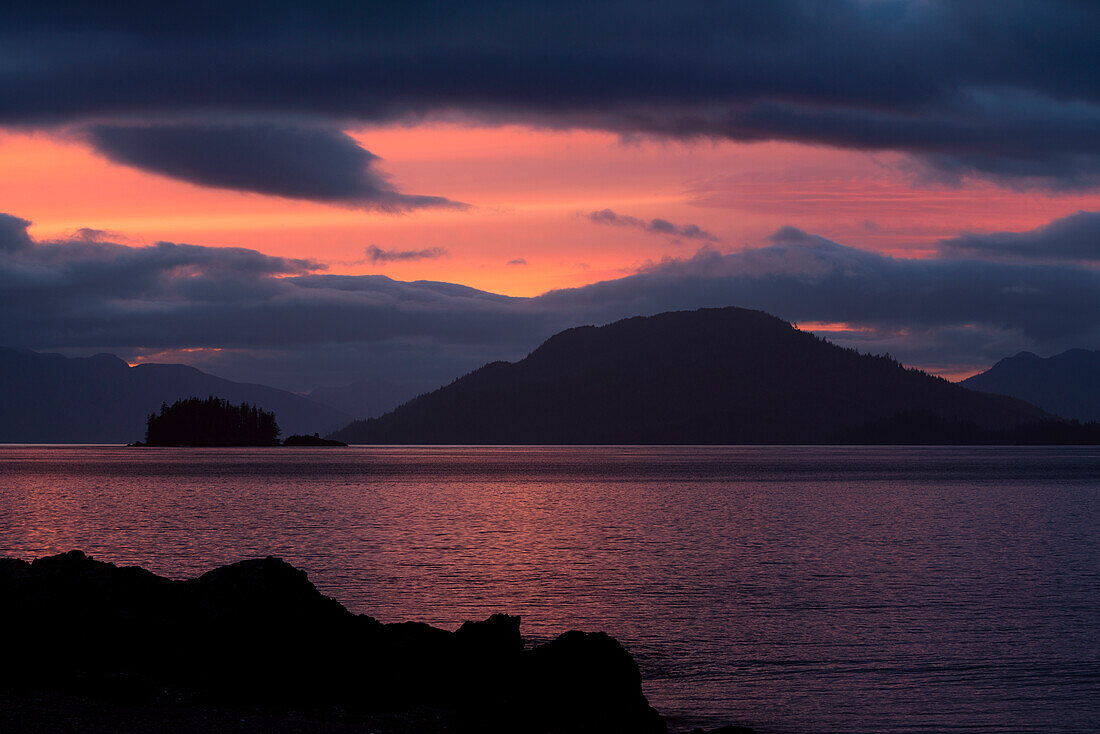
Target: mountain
point(1067, 384)
point(713, 376)
point(48, 398)
point(370, 398)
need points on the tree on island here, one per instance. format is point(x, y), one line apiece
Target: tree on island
point(211, 422)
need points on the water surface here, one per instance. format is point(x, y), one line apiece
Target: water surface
point(793, 589)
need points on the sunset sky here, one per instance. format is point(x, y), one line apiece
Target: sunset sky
point(224, 184)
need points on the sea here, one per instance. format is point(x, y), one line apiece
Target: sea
point(793, 589)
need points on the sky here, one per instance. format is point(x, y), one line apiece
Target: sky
point(306, 196)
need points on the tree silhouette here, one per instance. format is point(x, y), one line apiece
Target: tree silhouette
point(211, 422)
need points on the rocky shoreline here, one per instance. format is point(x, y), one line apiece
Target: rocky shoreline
point(253, 646)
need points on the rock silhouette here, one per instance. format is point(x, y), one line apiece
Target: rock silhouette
point(712, 376)
point(258, 634)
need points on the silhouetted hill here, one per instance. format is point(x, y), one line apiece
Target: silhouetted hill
point(48, 398)
point(713, 376)
point(1067, 384)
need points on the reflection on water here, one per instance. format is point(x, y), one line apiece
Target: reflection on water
point(798, 590)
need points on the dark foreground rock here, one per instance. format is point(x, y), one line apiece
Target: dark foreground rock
point(254, 646)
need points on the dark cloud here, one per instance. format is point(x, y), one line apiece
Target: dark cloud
point(88, 234)
point(297, 325)
point(376, 254)
point(518, 261)
point(653, 226)
point(1075, 238)
point(13, 233)
point(943, 311)
point(88, 295)
point(808, 278)
point(1008, 91)
point(280, 160)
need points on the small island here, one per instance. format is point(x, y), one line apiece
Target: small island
point(314, 440)
point(210, 422)
point(217, 422)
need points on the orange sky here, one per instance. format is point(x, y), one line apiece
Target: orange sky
point(527, 189)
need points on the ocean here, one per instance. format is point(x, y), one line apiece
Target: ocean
point(793, 589)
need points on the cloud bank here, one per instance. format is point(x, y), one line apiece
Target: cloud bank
point(297, 326)
point(1075, 238)
point(279, 160)
point(1009, 92)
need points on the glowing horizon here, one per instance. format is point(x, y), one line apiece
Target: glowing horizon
point(530, 191)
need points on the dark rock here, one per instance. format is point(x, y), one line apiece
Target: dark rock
point(495, 639)
point(258, 634)
point(587, 682)
point(262, 589)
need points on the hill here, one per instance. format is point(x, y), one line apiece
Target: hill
point(48, 398)
point(1067, 384)
point(712, 376)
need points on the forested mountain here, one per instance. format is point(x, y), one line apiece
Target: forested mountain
point(712, 376)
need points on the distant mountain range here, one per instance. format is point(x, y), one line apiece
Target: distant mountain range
point(370, 398)
point(48, 398)
point(713, 376)
point(1067, 384)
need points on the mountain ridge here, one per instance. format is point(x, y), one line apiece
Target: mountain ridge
point(1066, 384)
point(50, 398)
point(711, 376)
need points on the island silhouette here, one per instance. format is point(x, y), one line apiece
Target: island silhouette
point(217, 422)
point(711, 376)
point(314, 440)
point(211, 422)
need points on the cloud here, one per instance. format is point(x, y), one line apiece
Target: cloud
point(1075, 238)
point(1009, 93)
point(88, 234)
point(288, 320)
point(280, 160)
point(77, 294)
point(13, 233)
point(518, 261)
point(653, 226)
point(376, 254)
